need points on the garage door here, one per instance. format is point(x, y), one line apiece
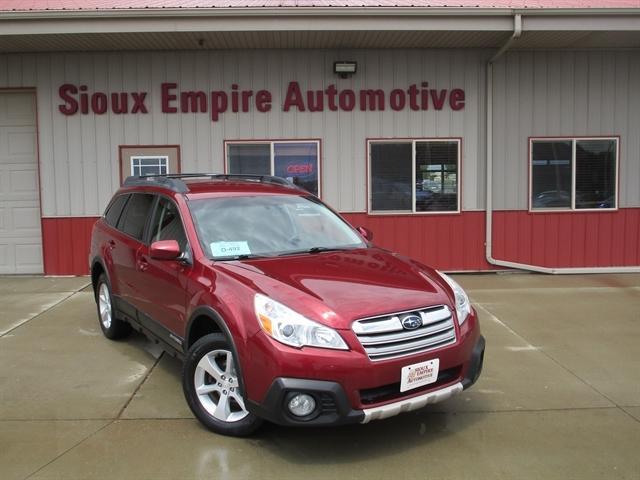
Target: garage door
point(20, 237)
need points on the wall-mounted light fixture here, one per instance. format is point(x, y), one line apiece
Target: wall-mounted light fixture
point(345, 68)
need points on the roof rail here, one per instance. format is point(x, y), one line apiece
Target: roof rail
point(165, 181)
point(174, 182)
point(254, 178)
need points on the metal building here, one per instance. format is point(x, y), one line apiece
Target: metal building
point(387, 110)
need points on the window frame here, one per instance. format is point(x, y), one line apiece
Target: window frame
point(413, 141)
point(154, 209)
point(271, 142)
point(574, 140)
point(143, 157)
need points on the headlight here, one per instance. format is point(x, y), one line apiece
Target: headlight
point(463, 306)
point(291, 328)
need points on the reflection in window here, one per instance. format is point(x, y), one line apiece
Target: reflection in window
point(595, 174)
point(134, 218)
point(296, 161)
point(551, 174)
point(149, 165)
point(167, 225)
point(414, 176)
point(114, 210)
point(250, 159)
point(436, 176)
point(391, 176)
point(573, 173)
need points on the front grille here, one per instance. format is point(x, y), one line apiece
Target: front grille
point(384, 337)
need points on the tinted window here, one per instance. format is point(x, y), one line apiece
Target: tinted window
point(436, 176)
point(252, 159)
point(135, 216)
point(414, 176)
point(166, 224)
point(391, 176)
point(551, 174)
point(573, 173)
point(595, 173)
point(114, 210)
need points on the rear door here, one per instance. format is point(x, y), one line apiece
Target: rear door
point(105, 237)
point(127, 243)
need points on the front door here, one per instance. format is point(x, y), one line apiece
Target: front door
point(165, 281)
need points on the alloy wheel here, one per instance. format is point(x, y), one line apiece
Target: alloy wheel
point(104, 305)
point(217, 388)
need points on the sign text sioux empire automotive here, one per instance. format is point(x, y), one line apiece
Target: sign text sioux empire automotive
point(78, 99)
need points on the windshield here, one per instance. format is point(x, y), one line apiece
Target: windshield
point(255, 226)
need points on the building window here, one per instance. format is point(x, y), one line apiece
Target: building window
point(149, 165)
point(297, 161)
point(148, 160)
point(574, 173)
point(414, 176)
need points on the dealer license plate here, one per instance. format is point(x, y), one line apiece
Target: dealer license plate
point(419, 374)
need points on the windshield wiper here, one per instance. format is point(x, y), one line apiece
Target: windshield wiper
point(315, 250)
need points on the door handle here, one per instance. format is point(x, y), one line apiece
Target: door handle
point(112, 244)
point(143, 264)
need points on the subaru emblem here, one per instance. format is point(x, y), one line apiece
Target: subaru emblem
point(411, 322)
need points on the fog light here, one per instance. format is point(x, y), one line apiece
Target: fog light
point(301, 405)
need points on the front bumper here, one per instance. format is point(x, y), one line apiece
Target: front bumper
point(333, 403)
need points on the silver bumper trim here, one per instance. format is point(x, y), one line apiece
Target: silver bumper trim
point(385, 411)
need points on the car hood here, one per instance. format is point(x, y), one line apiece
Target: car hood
point(339, 287)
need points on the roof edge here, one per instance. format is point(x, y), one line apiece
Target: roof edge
point(304, 12)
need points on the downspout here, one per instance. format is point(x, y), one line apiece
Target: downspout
point(517, 31)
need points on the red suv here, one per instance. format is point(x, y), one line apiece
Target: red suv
point(279, 308)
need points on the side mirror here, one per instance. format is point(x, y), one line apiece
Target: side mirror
point(165, 250)
point(366, 233)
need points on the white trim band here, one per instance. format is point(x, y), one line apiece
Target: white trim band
point(392, 409)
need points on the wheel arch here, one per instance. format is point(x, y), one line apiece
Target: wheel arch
point(203, 321)
point(98, 268)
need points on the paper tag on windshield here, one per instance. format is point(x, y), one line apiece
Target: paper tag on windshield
point(229, 249)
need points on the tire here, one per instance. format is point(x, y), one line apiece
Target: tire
point(212, 390)
point(112, 328)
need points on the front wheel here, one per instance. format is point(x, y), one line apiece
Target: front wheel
point(212, 389)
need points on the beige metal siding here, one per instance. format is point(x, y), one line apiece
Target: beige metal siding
point(79, 154)
point(564, 94)
point(536, 93)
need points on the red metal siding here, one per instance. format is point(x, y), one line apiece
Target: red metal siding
point(66, 245)
point(568, 239)
point(447, 242)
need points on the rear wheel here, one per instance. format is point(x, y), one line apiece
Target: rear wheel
point(112, 328)
point(212, 388)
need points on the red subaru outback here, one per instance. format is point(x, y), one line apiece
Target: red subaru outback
point(279, 308)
